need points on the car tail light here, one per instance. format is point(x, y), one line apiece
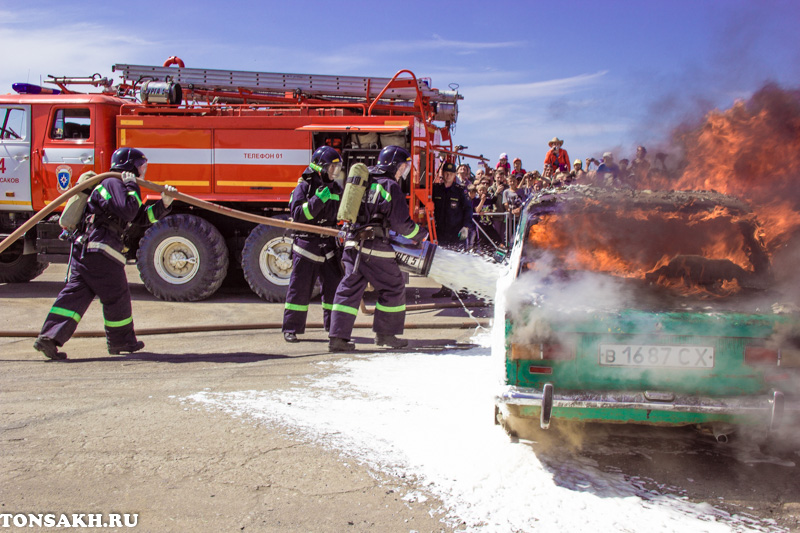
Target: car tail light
point(549, 351)
point(761, 356)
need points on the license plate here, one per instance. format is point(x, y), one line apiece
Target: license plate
point(650, 355)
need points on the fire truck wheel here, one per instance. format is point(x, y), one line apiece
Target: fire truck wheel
point(182, 258)
point(267, 262)
point(15, 267)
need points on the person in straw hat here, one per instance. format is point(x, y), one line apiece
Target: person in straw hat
point(557, 159)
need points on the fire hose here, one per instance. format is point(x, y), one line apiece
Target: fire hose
point(191, 200)
point(91, 182)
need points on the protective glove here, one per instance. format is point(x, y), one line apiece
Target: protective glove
point(166, 195)
point(462, 235)
point(360, 170)
point(128, 178)
point(335, 187)
point(323, 193)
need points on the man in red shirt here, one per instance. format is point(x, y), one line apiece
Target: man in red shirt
point(557, 158)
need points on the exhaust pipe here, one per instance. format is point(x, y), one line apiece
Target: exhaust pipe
point(721, 432)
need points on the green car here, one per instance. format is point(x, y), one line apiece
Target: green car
point(646, 308)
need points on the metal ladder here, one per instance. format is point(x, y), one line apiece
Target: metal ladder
point(316, 85)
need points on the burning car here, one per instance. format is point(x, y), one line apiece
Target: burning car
point(646, 307)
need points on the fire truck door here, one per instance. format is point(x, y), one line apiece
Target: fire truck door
point(15, 158)
point(68, 148)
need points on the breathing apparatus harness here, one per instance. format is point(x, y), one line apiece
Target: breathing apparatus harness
point(356, 222)
point(309, 178)
point(77, 224)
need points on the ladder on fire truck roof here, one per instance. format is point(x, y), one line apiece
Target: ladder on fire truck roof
point(318, 86)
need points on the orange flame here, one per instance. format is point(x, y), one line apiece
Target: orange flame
point(647, 244)
point(751, 151)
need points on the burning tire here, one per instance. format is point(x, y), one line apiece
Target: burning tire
point(182, 258)
point(267, 262)
point(16, 267)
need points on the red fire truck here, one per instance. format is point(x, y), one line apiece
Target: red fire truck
point(235, 138)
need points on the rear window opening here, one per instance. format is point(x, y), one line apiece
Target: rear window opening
point(648, 249)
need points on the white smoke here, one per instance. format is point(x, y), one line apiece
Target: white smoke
point(548, 295)
point(466, 272)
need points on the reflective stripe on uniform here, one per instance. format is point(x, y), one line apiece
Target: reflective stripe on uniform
point(135, 195)
point(388, 309)
point(295, 307)
point(411, 235)
point(369, 251)
point(306, 212)
point(308, 255)
point(118, 323)
point(150, 215)
point(383, 192)
point(345, 309)
point(60, 311)
point(328, 307)
point(103, 247)
point(102, 191)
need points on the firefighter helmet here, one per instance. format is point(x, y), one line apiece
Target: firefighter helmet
point(326, 161)
point(127, 160)
point(391, 157)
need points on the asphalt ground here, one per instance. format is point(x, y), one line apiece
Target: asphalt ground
point(110, 434)
point(107, 434)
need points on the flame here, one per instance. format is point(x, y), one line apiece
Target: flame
point(699, 252)
point(751, 151)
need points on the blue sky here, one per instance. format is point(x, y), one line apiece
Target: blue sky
point(602, 75)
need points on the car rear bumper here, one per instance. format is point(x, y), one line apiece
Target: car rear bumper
point(660, 407)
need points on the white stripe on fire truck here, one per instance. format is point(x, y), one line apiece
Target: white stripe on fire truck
point(284, 184)
point(58, 155)
point(226, 156)
point(253, 156)
point(177, 156)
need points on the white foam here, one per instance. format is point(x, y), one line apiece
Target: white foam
point(462, 271)
point(429, 418)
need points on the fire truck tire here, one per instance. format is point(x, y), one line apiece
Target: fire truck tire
point(16, 267)
point(267, 262)
point(182, 258)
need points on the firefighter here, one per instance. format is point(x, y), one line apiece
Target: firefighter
point(314, 201)
point(97, 263)
point(368, 256)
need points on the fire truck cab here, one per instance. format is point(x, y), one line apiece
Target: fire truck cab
point(239, 139)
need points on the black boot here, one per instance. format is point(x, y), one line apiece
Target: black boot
point(290, 336)
point(340, 345)
point(127, 348)
point(390, 340)
point(49, 349)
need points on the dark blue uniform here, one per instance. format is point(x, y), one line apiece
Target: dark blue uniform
point(452, 210)
point(313, 255)
point(384, 207)
point(97, 265)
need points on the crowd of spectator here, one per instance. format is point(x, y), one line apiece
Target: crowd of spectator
point(495, 195)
